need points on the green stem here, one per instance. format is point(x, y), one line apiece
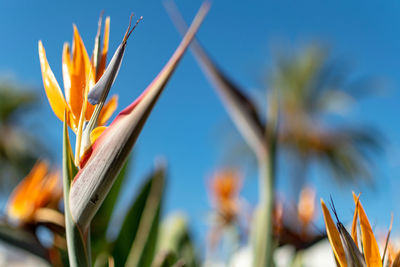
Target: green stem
point(263, 232)
point(77, 240)
point(264, 246)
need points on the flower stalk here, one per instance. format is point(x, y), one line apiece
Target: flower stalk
point(78, 241)
point(260, 138)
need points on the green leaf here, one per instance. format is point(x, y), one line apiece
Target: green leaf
point(102, 260)
point(167, 259)
point(100, 223)
point(78, 251)
point(175, 237)
point(135, 244)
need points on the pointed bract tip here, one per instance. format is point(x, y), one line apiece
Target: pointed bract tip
point(101, 15)
point(130, 30)
point(99, 23)
point(160, 162)
point(334, 210)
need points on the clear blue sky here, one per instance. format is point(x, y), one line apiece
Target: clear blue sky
point(239, 35)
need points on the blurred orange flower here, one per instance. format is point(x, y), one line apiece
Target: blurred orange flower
point(79, 74)
point(225, 188)
point(39, 189)
point(306, 206)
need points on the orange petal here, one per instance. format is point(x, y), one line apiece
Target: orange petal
point(82, 118)
point(371, 249)
point(53, 91)
point(72, 121)
point(76, 95)
point(108, 110)
point(34, 180)
point(81, 67)
point(96, 133)
point(104, 51)
point(19, 205)
point(50, 190)
point(36, 175)
point(89, 107)
point(333, 236)
point(354, 224)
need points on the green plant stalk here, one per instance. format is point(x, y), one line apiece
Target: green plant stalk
point(78, 241)
point(244, 115)
point(263, 234)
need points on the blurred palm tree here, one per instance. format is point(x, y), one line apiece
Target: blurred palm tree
point(312, 93)
point(18, 149)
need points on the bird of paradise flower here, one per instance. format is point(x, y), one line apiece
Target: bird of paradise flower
point(79, 75)
point(346, 246)
point(100, 152)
